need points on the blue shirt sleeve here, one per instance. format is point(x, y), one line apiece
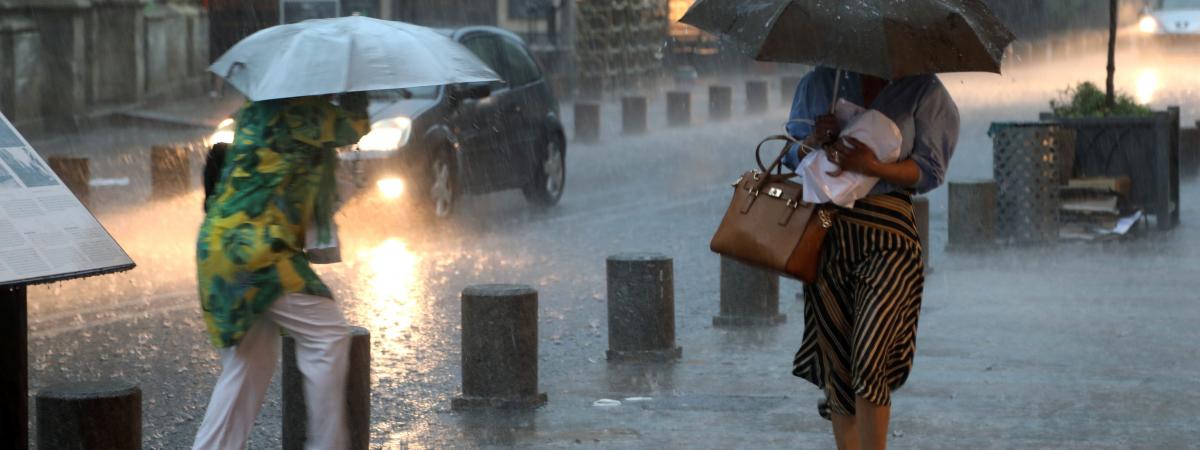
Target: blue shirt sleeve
point(936, 122)
point(811, 100)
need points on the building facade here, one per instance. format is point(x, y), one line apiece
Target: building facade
point(62, 61)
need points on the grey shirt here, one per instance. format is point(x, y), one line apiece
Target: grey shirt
point(920, 106)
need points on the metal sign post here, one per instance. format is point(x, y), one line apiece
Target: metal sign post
point(48, 236)
point(14, 367)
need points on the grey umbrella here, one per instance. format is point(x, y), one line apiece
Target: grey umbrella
point(886, 38)
point(346, 54)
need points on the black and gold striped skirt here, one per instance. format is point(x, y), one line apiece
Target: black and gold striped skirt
point(860, 315)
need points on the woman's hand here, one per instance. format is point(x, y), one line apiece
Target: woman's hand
point(853, 155)
point(354, 101)
point(825, 130)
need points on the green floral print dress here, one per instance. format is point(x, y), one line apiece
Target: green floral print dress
point(277, 180)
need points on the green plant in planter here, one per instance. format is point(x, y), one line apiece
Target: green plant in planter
point(1088, 100)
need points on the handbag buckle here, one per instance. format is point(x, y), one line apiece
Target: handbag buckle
point(825, 218)
point(775, 192)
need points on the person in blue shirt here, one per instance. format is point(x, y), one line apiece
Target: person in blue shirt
point(860, 315)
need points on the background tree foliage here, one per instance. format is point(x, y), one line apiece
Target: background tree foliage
point(1088, 100)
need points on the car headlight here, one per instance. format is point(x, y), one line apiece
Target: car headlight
point(1148, 24)
point(385, 135)
point(390, 187)
point(223, 134)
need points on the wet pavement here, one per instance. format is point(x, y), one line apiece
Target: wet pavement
point(1071, 346)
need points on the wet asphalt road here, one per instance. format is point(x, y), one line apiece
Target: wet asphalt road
point(1075, 346)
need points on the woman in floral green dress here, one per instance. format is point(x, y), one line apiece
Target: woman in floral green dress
point(277, 180)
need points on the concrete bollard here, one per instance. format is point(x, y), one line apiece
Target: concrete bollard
point(641, 308)
point(972, 215)
point(1043, 51)
point(76, 174)
point(100, 415)
point(590, 88)
point(633, 115)
point(749, 296)
point(720, 102)
point(499, 348)
point(358, 393)
point(170, 172)
point(587, 122)
point(1063, 47)
point(921, 211)
point(787, 88)
point(679, 108)
point(756, 97)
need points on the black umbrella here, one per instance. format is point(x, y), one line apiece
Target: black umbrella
point(886, 38)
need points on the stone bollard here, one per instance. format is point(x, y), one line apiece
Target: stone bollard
point(358, 393)
point(720, 102)
point(590, 88)
point(499, 348)
point(972, 215)
point(170, 172)
point(101, 415)
point(1044, 50)
point(633, 115)
point(1062, 46)
point(76, 174)
point(756, 97)
point(787, 88)
point(641, 308)
point(587, 122)
point(921, 211)
point(749, 296)
point(679, 108)
point(1024, 52)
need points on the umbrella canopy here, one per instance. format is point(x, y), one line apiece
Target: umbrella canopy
point(346, 54)
point(886, 38)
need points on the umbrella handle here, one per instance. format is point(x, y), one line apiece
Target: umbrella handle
point(837, 83)
point(235, 65)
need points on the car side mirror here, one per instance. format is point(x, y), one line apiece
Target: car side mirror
point(468, 91)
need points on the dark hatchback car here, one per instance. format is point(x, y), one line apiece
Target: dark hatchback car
point(435, 144)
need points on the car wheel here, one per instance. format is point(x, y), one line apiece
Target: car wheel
point(549, 175)
point(442, 188)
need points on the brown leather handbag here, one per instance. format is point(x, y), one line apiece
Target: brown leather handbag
point(768, 225)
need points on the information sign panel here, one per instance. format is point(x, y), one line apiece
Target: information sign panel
point(46, 234)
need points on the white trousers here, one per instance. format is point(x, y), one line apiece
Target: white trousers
point(322, 355)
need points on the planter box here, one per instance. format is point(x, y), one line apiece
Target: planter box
point(1030, 162)
point(1189, 151)
point(1145, 149)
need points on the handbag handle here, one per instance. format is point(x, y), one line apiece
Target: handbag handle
point(775, 165)
point(778, 163)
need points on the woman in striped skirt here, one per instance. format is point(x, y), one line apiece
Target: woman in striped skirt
point(860, 316)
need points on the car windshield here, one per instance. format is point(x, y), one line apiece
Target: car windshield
point(406, 93)
point(1181, 4)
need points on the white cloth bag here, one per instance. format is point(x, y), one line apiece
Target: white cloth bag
point(870, 127)
point(323, 252)
point(328, 252)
